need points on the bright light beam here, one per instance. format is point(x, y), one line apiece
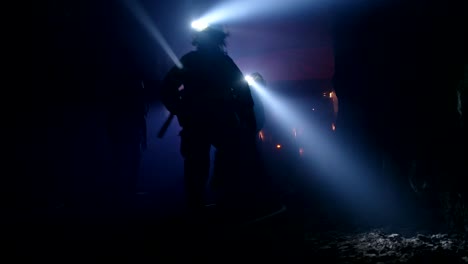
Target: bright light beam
point(146, 22)
point(240, 9)
point(345, 174)
point(199, 25)
point(250, 80)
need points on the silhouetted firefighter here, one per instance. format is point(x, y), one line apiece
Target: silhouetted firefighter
point(214, 107)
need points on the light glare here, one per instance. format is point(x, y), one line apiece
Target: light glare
point(250, 80)
point(301, 151)
point(228, 11)
point(145, 20)
point(347, 176)
point(261, 136)
point(199, 25)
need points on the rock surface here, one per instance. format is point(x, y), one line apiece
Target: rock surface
point(377, 246)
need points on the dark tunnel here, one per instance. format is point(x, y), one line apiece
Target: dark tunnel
point(363, 136)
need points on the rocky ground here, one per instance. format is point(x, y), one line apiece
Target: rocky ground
point(380, 246)
point(150, 240)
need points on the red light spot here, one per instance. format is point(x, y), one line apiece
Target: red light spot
point(261, 136)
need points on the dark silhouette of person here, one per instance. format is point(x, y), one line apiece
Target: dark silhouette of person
point(260, 193)
point(214, 107)
point(252, 161)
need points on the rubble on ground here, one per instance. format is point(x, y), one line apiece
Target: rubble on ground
point(377, 246)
